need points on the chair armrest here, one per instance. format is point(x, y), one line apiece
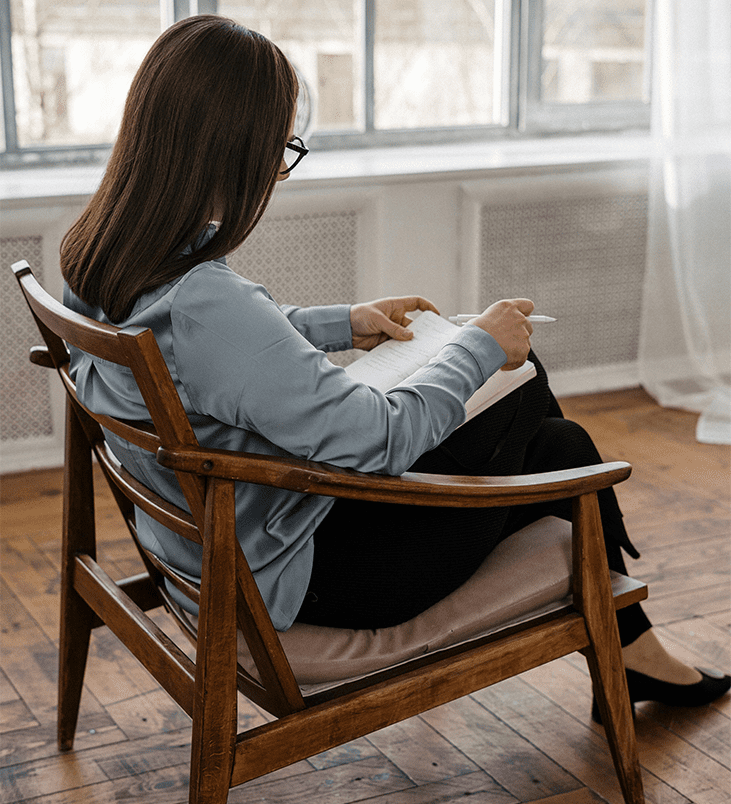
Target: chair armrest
point(40, 356)
point(413, 488)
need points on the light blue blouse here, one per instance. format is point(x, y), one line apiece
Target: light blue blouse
point(253, 376)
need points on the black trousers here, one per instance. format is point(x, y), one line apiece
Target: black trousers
point(379, 564)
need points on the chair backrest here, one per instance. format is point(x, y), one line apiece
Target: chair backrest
point(137, 349)
point(133, 347)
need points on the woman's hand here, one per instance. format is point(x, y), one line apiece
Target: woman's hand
point(507, 322)
point(377, 321)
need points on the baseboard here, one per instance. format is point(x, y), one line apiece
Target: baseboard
point(594, 379)
point(22, 456)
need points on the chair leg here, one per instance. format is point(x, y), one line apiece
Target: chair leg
point(592, 595)
point(214, 715)
point(76, 623)
point(76, 616)
point(616, 711)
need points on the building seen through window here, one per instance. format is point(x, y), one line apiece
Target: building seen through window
point(73, 62)
point(371, 66)
point(593, 50)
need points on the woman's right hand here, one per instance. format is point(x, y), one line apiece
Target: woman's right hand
point(507, 322)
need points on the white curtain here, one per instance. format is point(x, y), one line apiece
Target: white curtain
point(685, 339)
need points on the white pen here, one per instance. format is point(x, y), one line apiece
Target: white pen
point(464, 318)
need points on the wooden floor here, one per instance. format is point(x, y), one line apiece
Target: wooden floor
point(524, 740)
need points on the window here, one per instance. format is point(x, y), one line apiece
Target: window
point(72, 64)
point(586, 65)
point(377, 71)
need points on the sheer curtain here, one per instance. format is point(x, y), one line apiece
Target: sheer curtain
point(685, 339)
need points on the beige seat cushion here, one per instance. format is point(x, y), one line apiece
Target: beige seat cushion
point(529, 571)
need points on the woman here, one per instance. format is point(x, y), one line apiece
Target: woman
point(205, 136)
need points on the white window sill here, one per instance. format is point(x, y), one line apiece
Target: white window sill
point(39, 186)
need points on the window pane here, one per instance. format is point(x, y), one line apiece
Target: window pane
point(593, 50)
point(434, 63)
point(321, 38)
point(73, 62)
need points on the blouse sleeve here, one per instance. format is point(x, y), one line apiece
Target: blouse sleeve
point(242, 362)
point(326, 327)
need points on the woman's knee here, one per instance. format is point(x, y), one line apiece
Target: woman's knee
point(561, 444)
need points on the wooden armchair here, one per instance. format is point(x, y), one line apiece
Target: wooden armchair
point(318, 703)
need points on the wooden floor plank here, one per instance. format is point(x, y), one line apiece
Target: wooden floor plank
point(30, 659)
point(134, 757)
point(695, 775)
point(704, 729)
point(34, 580)
point(38, 484)
point(472, 788)
point(355, 781)
point(666, 609)
point(672, 570)
point(15, 715)
point(350, 752)
point(151, 712)
point(505, 754)
point(61, 771)
point(709, 643)
point(582, 751)
point(7, 690)
point(421, 752)
point(113, 674)
point(167, 786)
point(581, 796)
point(27, 745)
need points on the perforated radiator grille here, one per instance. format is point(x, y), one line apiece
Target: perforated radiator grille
point(25, 406)
point(304, 260)
point(582, 261)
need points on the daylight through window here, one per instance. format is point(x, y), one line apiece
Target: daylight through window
point(376, 71)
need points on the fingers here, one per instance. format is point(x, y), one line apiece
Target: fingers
point(525, 306)
point(421, 303)
point(397, 306)
point(394, 329)
point(393, 319)
point(507, 322)
point(374, 322)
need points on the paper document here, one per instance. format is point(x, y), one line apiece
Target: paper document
point(390, 363)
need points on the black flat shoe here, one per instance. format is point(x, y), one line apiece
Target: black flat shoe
point(646, 688)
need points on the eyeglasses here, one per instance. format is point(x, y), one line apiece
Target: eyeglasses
point(294, 153)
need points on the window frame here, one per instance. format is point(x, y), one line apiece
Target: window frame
point(518, 107)
point(545, 117)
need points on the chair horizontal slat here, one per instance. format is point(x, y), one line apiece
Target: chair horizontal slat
point(284, 741)
point(188, 588)
point(152, 504)
point(84, 333)
point(410, 488)
point(141, 590)
point(154, 649)
point(141, 434)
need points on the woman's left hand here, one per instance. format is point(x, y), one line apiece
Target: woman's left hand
point(377, 321)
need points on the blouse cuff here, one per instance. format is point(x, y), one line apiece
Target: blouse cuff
point(485, 350)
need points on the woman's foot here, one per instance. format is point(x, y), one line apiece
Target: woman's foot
point(654, 675)
point(647, 655)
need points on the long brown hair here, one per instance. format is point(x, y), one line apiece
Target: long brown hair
point(204, 129)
